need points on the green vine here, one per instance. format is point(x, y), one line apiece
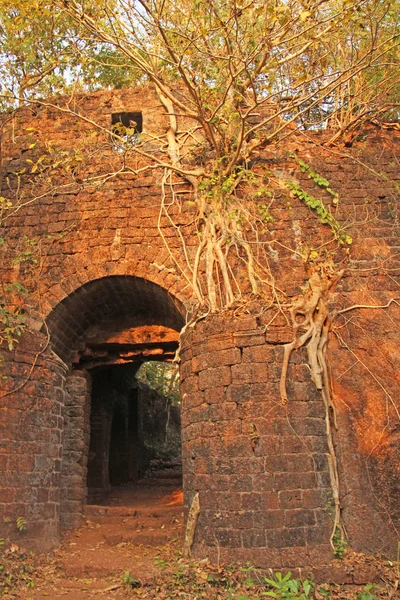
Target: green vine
point(318, 180)
point(12, 315)
point(316, 204)
point(340, 545)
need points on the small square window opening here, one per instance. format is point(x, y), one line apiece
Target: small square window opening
point(128, 126)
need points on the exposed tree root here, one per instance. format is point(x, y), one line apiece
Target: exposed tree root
point(310, 315)
point(218, 232)
point(191, 526)
point(311, 323)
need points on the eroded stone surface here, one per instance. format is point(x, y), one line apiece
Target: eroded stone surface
point(107, 280)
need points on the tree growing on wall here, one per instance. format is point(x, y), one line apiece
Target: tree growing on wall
point(233, 77)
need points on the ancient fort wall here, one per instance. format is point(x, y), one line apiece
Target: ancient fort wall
point(112, 252)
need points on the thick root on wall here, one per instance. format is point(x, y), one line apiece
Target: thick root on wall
point(311, 323)
point(194, 512)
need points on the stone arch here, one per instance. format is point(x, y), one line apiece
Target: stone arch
point(103, 331)
point(56, 290)
point(120, 296)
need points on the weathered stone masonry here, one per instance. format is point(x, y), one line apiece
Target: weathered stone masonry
point(111, 294)
point(261, 468)
point(31, 441)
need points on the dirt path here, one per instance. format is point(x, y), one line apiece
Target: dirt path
point(128, 548)
point(140, 523)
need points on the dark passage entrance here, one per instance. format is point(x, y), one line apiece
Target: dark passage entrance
point(119, 448)
point(134, 424)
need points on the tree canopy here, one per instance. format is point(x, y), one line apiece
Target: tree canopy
point(217, 61)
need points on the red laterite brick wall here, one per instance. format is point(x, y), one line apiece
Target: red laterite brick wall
point(261, 469)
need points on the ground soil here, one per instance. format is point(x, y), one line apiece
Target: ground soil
point(124, 538)
point(130, 547)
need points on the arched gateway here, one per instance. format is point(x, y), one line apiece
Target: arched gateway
point(106, 329)
point(112, 287)
point(80, 399)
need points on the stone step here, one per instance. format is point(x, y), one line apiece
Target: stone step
point(156, 473)
point(167, 481)
point(117, 512)
point(132, 524)
point(144, 537)
point(172, 479)
point(96, 510)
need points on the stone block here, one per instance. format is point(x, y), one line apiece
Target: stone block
point(215, 377)
point(250, 373)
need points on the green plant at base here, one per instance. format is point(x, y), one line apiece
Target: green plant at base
point(16, 570)
point(340, 545)
point(286, 588)
point(367, 594)
point(21, 524)
point(129, 581)
point(160, 562)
